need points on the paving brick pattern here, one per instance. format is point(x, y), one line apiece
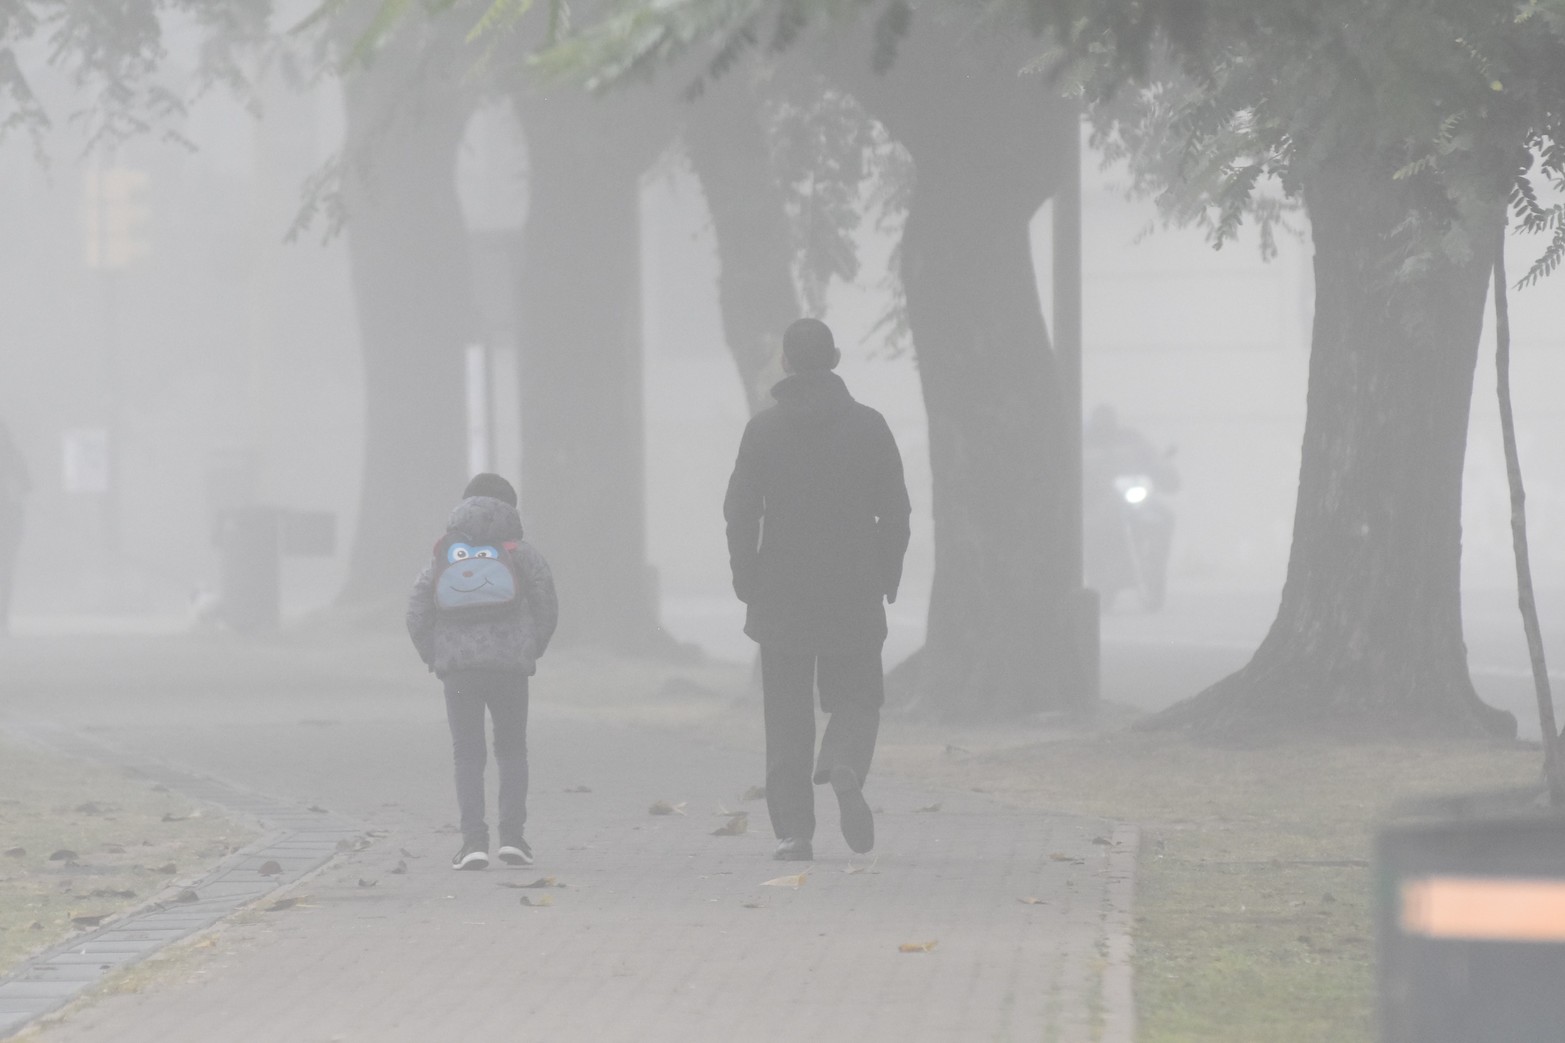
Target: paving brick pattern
point(661, 931)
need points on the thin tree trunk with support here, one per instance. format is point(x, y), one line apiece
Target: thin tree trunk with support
point(1553, 774)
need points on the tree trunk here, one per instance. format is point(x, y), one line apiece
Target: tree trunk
point(995, 644)
point(725, 139)
point(984, 143)
point(1553, 775)
point(583, 460)
point(409, 261)
point(1368, 637)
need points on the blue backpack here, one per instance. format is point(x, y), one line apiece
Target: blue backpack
point(475, 578)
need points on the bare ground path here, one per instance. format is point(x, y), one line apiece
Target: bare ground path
point(661, 930)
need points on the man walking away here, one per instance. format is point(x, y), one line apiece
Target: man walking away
point(14, 487)
point(817, 515)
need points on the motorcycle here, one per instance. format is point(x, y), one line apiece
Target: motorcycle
point(1128, 529)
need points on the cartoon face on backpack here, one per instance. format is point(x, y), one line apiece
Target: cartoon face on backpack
point(472, 577)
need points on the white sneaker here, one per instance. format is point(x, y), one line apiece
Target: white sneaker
point(517, 854)
point(470, 857)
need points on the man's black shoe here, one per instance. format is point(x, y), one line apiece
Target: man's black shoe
point(858, 822)
point(470, 856)
point(793, 850)
point(516, 854)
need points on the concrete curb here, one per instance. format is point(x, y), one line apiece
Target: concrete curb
point(1119, 995)
point(299, 840)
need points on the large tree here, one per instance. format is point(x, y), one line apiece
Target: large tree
point(986, 145)
point(579, 290)
point(726, 140)
point(407, 109)
point(1403, 131)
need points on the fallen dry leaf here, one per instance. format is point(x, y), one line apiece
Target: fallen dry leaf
point(754, 793)
point(663, 807)
point(286, 903)
point(271, 867)
point(1060, 856)
point(928, 946)
point(928, 808)
point(796, 881)
point(734, 826)
point(541, 900)
point(401, 869)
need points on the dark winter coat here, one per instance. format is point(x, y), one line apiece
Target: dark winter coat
point(511, 641)
point(817, 516)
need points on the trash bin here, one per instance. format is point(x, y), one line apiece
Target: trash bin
point(250, 569)
point(1472, 930)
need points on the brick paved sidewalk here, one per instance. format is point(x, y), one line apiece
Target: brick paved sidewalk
point(661, 931)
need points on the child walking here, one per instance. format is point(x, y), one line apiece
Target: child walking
point(480, 615)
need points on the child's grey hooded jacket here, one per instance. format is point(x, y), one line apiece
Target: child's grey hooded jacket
point(510, 642)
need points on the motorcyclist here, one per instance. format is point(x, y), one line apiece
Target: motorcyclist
point(1110, 449)
point(1125, 548)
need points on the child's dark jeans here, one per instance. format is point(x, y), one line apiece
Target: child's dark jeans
point(468, 692)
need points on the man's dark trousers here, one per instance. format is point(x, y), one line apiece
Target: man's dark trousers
point(504, 693)
point(852, 690)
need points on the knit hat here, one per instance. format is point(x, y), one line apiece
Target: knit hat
point(808, 344)
point(491, 485)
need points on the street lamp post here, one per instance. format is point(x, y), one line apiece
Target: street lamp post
point(1081, 606)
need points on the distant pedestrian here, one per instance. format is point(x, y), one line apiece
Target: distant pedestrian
point(817, 515)
point(481, 614)
point(15, 484)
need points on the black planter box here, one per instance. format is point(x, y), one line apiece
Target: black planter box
point(1471, 923)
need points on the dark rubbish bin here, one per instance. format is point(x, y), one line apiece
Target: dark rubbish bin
point(1472, 930)
point(250, 580)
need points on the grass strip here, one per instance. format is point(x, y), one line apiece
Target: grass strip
point(81, 842)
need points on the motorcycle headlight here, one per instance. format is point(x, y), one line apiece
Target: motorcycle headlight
point(1136, 494)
